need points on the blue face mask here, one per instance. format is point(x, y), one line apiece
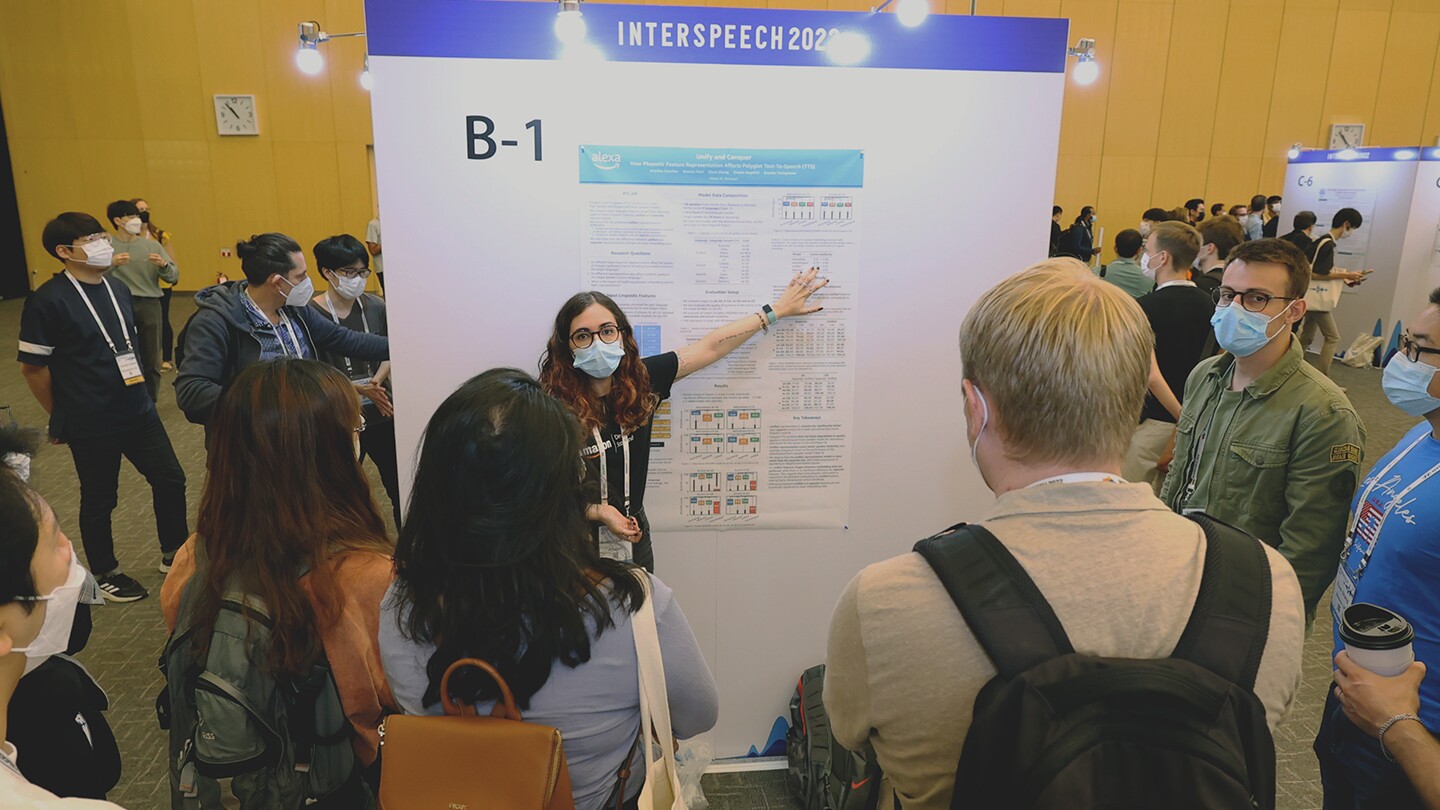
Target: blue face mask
point(1242, 332)
point(600, 359)
point(1407, 385)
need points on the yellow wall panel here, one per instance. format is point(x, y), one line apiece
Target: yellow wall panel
point(1304, 60)
point(1354, 69)
point(1125, 183)
point(180, 191)
point(1032, 8)
point(1401, 100)
point(166, 57)
point(1142, 51)
point(1247, 78)
point(1232, 180)
point(1192, 86)
point(1177, 179)
point(1432, 107)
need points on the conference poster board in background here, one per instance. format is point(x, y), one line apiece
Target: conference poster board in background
point(1380, 184)
point(1419, 271)
point(944, 139)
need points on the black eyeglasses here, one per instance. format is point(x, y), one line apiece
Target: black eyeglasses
point(1413, 350)
point(582, 338)
point(1253, 300)
point(350, 272)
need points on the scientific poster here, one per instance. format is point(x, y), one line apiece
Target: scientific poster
point(687, 240)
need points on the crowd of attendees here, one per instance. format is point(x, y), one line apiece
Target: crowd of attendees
point(1179, 368)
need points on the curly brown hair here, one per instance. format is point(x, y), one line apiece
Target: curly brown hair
point(631, 400)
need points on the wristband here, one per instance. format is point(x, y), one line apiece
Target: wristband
point(764, 326)
point(770, 314)
point(1388, 723)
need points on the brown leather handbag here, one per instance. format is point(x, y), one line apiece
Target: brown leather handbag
point(463, 761)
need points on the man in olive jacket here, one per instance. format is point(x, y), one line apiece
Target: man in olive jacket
point(1265, 442)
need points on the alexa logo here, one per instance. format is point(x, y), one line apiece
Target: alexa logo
point(605, 161)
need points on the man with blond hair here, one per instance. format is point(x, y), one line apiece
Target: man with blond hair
point(1055, 364)
point(1266, 442)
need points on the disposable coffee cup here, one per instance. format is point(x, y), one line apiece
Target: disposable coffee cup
point(1377, 639)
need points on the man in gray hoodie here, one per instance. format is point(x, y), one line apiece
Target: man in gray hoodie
point(264, 317)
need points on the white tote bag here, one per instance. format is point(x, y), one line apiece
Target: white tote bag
point(662, 775)
point(1323, 296)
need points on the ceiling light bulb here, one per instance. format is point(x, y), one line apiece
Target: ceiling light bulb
point(1087, 71)
point(366, 80)
point(848, 48)
point(570, 27)
point(309, 60)
point(1293, 153)
point(912, 12)
point(1346, 154)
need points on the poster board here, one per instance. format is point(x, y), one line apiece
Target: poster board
point(486, 130)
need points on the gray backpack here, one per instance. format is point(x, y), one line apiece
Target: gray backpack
point(282, 743)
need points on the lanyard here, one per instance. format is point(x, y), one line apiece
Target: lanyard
point(1080, 478)
point(105, 333)
point(285, 319)
point(1395, 501)
point(605, 470)
point(5, 759)
point(294, 340)
point(1180, 282)
point(364, 324)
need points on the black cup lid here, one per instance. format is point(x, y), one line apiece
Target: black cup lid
point(1371, 627)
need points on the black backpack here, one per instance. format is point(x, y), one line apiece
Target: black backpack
point(823, 774)
point(1057, 729)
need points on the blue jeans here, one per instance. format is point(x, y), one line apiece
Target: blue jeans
point(1355, 774)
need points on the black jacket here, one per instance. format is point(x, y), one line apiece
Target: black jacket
point(219, 340)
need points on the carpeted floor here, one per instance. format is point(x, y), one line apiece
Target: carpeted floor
point(127, 639)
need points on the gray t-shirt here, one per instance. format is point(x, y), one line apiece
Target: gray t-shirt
point(139, 274)
point(596, 705)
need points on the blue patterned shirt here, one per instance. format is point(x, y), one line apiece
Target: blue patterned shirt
point(286, 340)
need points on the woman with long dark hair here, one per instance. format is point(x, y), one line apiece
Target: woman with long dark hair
point(287, 516)
point(593, 364)
point(494, 562)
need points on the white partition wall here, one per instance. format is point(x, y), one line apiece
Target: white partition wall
point(1419, 271)
point(1380, 184)
point(687, 161)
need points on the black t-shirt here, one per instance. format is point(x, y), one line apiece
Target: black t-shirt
point(1300, 240)
point(1208, 282)
point(56, 330)
point(1180, 316)
point(662, 368)
point(367, 315)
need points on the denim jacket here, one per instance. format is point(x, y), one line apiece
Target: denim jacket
point(1284, 467)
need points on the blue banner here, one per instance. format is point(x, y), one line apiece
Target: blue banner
point(680, 166)
point(1363, 154)
point(502, 29)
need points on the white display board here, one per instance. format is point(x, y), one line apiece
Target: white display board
point(489, 136)
point(1380, 184)
point(1419, 270)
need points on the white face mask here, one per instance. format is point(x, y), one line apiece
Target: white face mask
point(349, 288)
point(984, 422)
point(1145, 266)
point(300, 294)
point(134, 226)
point(1275, 208)
point(98, 253)
point(54, 635)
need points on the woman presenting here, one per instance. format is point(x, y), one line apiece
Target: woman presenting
point(593, 365)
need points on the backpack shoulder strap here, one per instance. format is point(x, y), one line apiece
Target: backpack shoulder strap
point(1007, 613)
point(1228, 628)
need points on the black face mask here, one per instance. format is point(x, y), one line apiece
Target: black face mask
point(145, 217)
